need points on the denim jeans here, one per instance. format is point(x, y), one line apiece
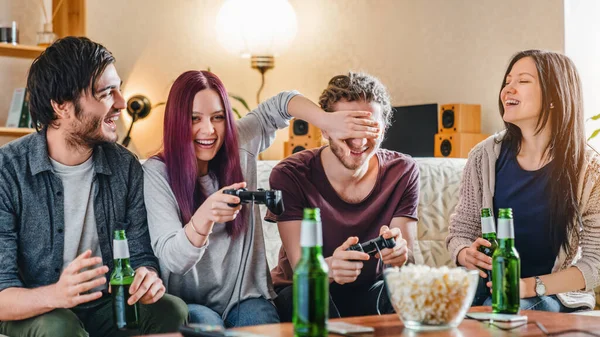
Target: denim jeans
point(544, 303)
point(95, 319)
point(253, 311)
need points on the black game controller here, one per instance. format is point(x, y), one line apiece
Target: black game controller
point(370, 247)
point(271, 198)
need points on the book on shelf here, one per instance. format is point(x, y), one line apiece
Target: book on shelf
point(18, 113)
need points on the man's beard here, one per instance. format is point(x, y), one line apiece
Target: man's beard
point(87, 133)
point(338, 151)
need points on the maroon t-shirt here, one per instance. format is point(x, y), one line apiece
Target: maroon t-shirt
point(303, 183)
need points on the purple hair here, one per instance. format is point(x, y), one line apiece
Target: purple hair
point(178, 152)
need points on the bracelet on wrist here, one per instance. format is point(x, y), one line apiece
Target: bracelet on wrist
point(195, 230)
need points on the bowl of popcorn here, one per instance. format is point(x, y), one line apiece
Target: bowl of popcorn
point(427, 298)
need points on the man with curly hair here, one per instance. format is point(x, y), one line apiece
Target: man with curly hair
point(363, 191)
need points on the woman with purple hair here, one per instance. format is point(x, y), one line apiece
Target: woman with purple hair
point(209, 256)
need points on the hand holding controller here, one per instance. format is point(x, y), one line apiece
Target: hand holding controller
point(370, 247)
point(271, 198)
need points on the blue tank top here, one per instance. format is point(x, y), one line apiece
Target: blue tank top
point(527, 193)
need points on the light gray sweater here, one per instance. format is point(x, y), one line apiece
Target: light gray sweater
point(211, 275)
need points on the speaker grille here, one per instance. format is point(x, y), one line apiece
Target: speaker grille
point(300, 127)
point(298, 149)
point(446, 148)
point(448, 119)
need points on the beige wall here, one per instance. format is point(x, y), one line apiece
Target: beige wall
point(424, 50)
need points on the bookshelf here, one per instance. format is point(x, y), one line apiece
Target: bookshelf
point(15, 132)
point(22, 51)
point(70, 20)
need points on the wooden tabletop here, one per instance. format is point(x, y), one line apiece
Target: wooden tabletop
point(390, 325)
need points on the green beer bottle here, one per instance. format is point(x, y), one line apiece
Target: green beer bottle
point(126, 316)
point(311, 280)
point(506, 267)
point(488, 228)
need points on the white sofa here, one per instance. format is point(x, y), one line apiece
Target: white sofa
point(439, 183)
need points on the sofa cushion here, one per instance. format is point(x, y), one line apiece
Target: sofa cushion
point(270, 231)
point(439, 183)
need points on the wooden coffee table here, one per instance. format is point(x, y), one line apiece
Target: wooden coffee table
point(390, 325)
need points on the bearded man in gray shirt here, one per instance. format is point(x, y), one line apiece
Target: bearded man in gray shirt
point(63, 192)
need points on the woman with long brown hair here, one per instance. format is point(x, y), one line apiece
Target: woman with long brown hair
point(542, 168)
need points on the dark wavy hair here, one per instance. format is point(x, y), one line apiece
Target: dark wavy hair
point(562, 106)
point(178, 151)
point(65, 70)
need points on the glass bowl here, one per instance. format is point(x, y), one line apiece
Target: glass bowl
point(427, 298)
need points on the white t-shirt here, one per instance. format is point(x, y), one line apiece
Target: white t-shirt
point(80, 224)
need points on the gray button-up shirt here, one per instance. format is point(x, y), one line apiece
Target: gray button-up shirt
point(32, 218)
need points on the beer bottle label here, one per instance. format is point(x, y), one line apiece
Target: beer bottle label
point(487, 225)
point(506, 229)
point(120, 249)
point(310, 234)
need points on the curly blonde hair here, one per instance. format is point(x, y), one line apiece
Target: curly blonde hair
point(355, 87)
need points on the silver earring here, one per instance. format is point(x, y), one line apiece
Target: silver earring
point(551, 105)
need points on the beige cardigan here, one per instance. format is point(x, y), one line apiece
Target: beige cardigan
point(477, 190)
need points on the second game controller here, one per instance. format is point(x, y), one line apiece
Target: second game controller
point(370, 247)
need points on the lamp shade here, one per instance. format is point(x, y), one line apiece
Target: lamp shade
point(256, 27)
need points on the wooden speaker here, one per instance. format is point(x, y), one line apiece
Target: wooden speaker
point(302, 136)
point(290, 148)
point(459, 118)
point(456, 145)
